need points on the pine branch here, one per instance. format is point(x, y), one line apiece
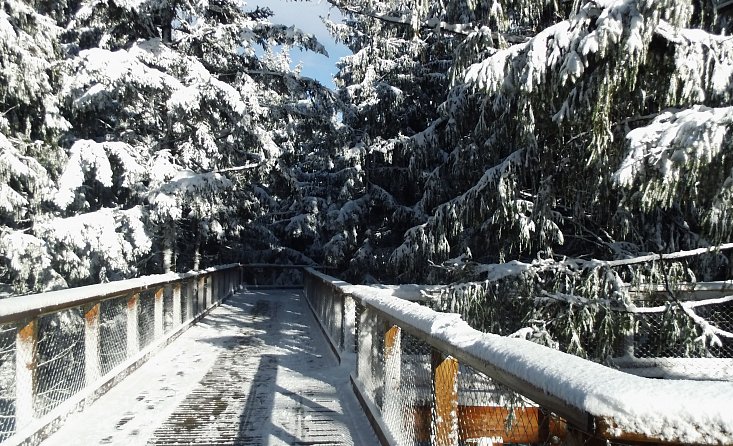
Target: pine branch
point(435, 24)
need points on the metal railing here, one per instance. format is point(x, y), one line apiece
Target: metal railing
point(62, 349)
point(426, 378)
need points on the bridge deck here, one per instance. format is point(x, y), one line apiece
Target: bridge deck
point(256, 371)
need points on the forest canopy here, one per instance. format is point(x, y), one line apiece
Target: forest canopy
point(557, 153)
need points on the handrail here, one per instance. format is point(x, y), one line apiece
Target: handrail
point(599, 401)
point(592, 397)
point(17, 308)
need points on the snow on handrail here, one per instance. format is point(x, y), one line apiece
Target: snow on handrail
point(592, 397)
point(20, 307)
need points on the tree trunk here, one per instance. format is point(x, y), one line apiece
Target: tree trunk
point(166, 27)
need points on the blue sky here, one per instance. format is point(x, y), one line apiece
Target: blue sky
point(306, 15)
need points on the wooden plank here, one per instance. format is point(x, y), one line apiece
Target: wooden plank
point(474, 422)
point(92, 369)
point(26, 377)
point(445, 399)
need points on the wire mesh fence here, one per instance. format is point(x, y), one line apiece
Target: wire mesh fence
point(423, 396)
point(659, 334)
point(146, 318)
point(45, 360)
point(328, 302)
point(112, 333)
point(7, 380)
point(665, 331)
point(60, 359)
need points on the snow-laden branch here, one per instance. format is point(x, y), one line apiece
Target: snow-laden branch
point(569, 47)
point(433, 23)
point(673, 141)
point(653, 257)
point(689, 305)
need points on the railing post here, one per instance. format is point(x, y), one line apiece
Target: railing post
point(392, 404)
point(133, 340)
point(445, 399)
point(92, 370)
point(190, 293)
point(201, 294)
point(209, 284)
point(26, 364)
point(176, 290)
point(349, 323)
point(227, 283)
point(158, 314)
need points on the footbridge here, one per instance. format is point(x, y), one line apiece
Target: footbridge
point(226, 356)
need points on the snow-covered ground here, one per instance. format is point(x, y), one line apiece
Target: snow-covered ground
point(255, 371)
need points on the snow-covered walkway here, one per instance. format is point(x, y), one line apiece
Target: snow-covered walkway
point(256, 371)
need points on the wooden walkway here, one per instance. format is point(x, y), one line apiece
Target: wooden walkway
point(256, 371)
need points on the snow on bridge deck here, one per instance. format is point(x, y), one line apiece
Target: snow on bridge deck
point(256, 371)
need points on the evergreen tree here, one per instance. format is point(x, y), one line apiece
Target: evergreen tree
point(30, 122)
point(571, 130)
point(170, 134)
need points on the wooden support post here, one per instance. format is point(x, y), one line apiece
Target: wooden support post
point(176, 290)
point(26, 364)
point(445, 400)
point(133, 338)
point(222, 286)
point(241, 277)
point(92, 369)
point(190, 298)
point(392, 357)
point(210, 290)
point(349, 324)
point(158, 314)
point(229, 280)
point(201, 293)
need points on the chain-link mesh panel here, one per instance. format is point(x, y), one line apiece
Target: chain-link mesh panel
point(146, 318)
point(370, 354)
point(60, 366)
point(663, 339)
point(112, 333)
point(407, 388)
point(490, 411)
point(328, 304)
point(667, 333)
point(7, 380)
